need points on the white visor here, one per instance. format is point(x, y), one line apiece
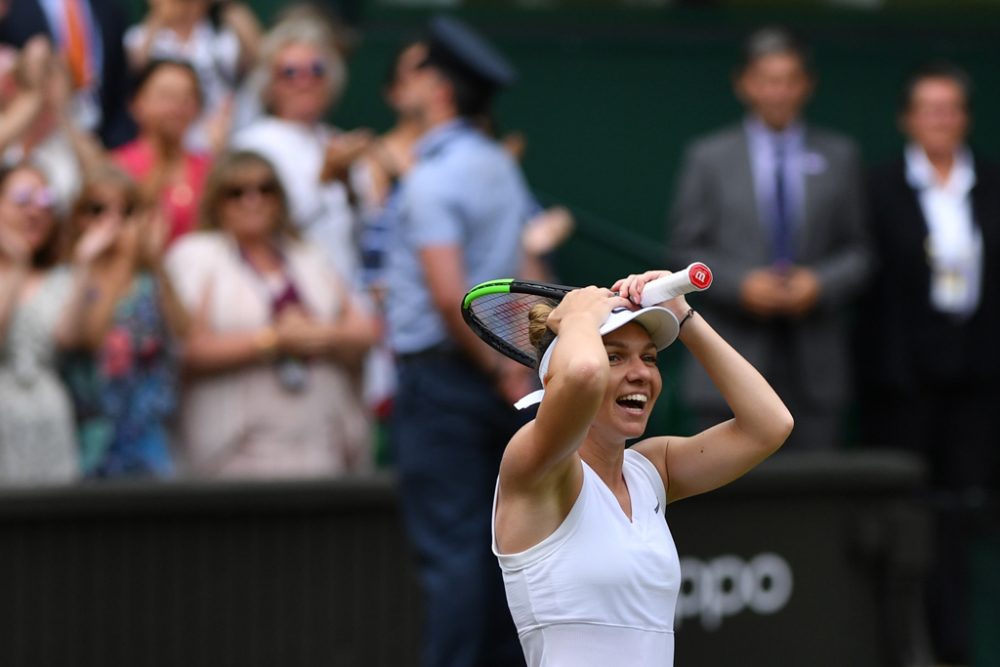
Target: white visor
point(658, 321)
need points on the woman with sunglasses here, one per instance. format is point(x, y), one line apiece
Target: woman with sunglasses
point(303, 77)
point(275, 336)
point(121, 328)
point(166, 102)
point(37, 444)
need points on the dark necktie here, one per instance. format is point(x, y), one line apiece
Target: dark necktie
point(782, 227)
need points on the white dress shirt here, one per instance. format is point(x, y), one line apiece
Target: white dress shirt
point(954, 242)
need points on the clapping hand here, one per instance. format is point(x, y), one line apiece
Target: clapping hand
point(152, 229)
point(34, 63)
point(342, 151)
point(298, 334)
point(98, 238)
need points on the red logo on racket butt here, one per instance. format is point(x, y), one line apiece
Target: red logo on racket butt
point(700, 276)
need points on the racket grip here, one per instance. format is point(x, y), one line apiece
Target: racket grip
point(695, 278)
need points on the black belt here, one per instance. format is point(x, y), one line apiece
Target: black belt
point(441, 351)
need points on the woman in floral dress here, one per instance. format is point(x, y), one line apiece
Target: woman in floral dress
point(122, 324)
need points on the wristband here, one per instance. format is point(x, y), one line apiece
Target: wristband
point(687, 317)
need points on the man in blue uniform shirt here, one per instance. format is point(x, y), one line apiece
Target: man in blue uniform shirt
point(462, 209)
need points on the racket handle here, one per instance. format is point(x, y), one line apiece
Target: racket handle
point(694, 278)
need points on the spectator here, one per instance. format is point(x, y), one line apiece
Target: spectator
point(774, 206)
point(381, 169)
point(218, 39)
point(376, 177)
point(387, 160)
point(35, 95)
point(122, 324)
point(37, 444)
point(167, 100)
point(88, 35)
point(304, 76)
point(928, 334)
point(462, 209)
point(274, 334)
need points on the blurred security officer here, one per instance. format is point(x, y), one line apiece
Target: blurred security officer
point(463, 206)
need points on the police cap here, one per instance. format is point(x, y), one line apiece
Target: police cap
point(458, 49)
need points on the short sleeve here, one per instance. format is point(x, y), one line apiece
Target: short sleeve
point(432, 216)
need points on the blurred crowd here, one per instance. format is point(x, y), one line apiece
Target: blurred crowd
point(175, 268)
point(196, 269)
point(192, 260)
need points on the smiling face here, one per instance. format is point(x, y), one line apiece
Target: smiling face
point(168, 103)
point(249, 202)
point(301, 89)
point(633, 386)
point(26, 208)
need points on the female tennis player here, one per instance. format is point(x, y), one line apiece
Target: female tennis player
point(591, 570)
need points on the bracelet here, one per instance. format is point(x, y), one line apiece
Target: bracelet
point(687, 317)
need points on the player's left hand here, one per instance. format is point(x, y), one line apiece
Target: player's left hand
point(631, 287)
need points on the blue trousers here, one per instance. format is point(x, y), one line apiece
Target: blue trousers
point(449, 431)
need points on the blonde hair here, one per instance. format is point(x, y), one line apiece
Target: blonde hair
point(299, 25)
point(539, 334)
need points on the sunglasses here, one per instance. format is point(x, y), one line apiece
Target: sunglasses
point(40, 197)
point(96, 209)
point(292, 72)
point(235, 192)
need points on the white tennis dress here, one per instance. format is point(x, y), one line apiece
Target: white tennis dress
point(600, 590)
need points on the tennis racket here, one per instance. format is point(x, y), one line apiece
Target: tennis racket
point(497, 310)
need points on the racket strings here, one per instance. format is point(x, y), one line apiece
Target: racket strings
point(505, 316)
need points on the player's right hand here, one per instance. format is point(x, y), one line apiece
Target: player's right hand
point(590, 303)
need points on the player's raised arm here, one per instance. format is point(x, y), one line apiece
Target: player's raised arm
point(575, 369)
point(721, 454)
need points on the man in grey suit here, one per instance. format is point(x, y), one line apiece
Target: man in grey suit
point(774, 207)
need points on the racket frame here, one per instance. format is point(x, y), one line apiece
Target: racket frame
point(695, 278)
point(508, 286)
